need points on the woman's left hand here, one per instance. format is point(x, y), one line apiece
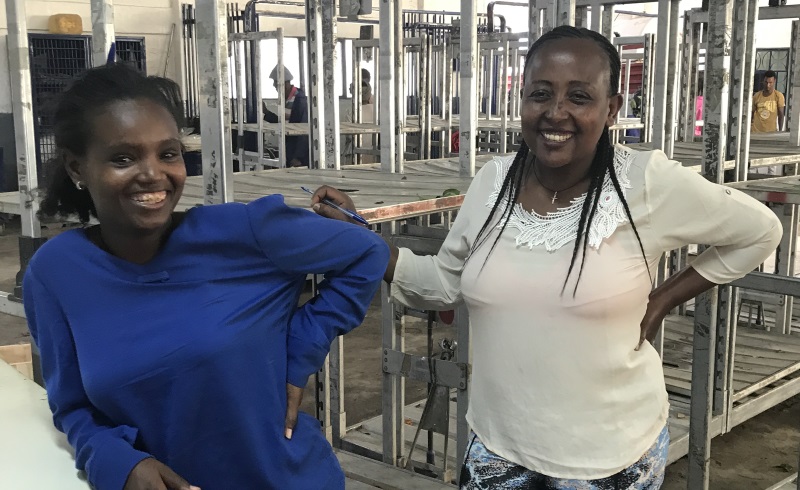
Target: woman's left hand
point(294, 397)
point(651, 322)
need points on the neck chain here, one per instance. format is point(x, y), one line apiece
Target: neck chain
point(555, 192)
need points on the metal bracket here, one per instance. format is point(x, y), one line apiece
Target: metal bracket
point(447, 373)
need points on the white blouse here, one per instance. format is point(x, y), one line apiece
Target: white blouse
point(556, 385)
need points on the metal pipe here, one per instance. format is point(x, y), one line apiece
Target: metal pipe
point(102, 30)
point(490, 13)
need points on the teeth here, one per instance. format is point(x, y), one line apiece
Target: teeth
point(556, 137)
point(150, 197)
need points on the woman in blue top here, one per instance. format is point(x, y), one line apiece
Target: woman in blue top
point(170, 342)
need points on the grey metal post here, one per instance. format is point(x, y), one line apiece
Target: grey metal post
point(581, 16)
point(102, 30)
point(469, 88)
point(399, 90)
point(331, 114)
point(688, 77)
point(317, 102)
point(663, 41)
point(256, 74)
point(672, 79)
point(212, 59)
point(22, 102)
point(281, 103)
point(504, 98)
point(596, 17)
point(386, 74)
point(608, 21)
point(550, 15)
point(316, 83)
point(566, 13)
point(718, 63)
point(702, 389)
point(27, 179)
point(647, 86)
point(462, 396)
point(794, 110)
point(750, 66)
point(534, 22)
point(740, 100)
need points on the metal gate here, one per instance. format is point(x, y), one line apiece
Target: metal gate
point(55, 61)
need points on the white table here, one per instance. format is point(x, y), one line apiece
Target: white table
point(33, 454)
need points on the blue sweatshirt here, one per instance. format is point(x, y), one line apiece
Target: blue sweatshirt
point(186, 358)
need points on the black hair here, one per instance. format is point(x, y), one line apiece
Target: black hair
point(96, 89)
point(770, 74)
point(365, 75)
point(602, 163)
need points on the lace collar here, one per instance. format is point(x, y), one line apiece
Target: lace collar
point(560, 227)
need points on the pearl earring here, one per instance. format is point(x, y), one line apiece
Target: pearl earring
point(79, 185)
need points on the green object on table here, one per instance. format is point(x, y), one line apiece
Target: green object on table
point(451, 192)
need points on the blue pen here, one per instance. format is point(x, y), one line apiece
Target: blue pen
point(347, 212)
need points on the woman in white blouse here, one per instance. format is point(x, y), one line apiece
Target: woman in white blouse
point(567, 391)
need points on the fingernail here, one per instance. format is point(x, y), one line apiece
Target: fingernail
point(315, 207)
point(194, 488)
point(289, 434)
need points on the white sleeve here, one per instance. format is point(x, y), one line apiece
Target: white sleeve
point(434, 281)
point(685, 208)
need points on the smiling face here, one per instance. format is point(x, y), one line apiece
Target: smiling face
point(133, 167)
point(567, 102)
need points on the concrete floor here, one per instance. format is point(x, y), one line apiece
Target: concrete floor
point(753, 456)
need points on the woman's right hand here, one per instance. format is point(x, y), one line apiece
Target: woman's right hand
point(151, 474)
point(337, 197)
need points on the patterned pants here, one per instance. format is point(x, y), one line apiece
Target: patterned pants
point(484, 470)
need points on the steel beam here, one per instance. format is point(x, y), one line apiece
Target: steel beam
point(794, 105)
point(596, 23)
point(672, 78)
point(740, 93)
point(663, 41)
point(468, 99)
point(717, 90)
point(330, 120)
point(702, 389)
point(399, 89)
point(566, 13)
point(102, 30)
point(386, 74)
point(212, 58)
point(607, 27)
point(22, 103)
point(316, 83)
point(750, 67)
point(534, 22)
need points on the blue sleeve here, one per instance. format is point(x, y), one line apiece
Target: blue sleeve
point(352, 259)
point(104, 450)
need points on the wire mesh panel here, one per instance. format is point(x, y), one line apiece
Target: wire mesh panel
point(55, 62)
point(131, 50)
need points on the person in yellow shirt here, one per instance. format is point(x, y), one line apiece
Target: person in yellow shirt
point(768, 107)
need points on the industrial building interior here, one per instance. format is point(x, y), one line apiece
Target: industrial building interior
point(408, 99)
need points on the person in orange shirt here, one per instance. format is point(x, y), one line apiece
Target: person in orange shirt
point(768, 106)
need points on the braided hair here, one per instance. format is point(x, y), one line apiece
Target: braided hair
point(602, 164)
point(96, 89)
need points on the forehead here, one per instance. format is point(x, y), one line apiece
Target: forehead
point(569, 60)
point(133, 120)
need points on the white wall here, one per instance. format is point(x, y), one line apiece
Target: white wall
point(151, 19)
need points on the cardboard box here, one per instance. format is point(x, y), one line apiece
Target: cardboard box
point(19, 357)
point(65, 24)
